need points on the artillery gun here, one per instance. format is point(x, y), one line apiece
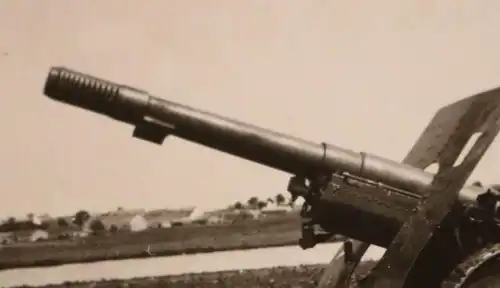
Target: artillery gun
point(437, 231)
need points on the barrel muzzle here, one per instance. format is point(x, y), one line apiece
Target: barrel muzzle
point(120, 102)
point(98, 95)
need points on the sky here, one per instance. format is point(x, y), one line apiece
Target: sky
point(365, 75)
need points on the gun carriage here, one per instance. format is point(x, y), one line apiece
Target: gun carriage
point(438, 232)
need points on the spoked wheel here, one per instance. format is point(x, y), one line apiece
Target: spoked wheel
point(486, 282)
point(470, 275)
point(485, 277)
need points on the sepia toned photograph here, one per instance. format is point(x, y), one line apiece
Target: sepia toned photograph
point(252, 144)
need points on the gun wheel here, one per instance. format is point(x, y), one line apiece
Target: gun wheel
point(485, 277)
point(487, 282)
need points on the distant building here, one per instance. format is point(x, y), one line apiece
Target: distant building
point(126, 212)
point(202, 217)
point(6, 238)
point(254, 213)
point(137, 223)
point(163, 224)
point(218, 216)
point(38, 220)
point(39, 235)
point(120, 221)
point(241, 215)
point(80, 234)
point(276, 209)
point(164, 218)
point(67, 232)
point(23, 235)
point(215, 219)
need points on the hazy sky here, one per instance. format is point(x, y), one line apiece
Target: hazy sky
point(367, 75)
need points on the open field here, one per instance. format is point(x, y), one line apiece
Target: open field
point(300, 276)
point(250, 234)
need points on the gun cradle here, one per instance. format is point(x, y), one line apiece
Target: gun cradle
point(375, 213)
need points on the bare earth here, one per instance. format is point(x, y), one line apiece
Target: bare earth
point(290, 277)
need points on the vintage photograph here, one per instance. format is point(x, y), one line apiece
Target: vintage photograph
point(299, 144)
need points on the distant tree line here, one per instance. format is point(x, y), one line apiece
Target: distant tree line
point(12, 224)
point(79, 220)
point(82, 217)
point(256, 203)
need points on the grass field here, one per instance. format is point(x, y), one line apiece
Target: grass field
point(280, 231)
point(290, 277)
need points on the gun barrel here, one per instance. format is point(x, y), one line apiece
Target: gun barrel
point(283, 152)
